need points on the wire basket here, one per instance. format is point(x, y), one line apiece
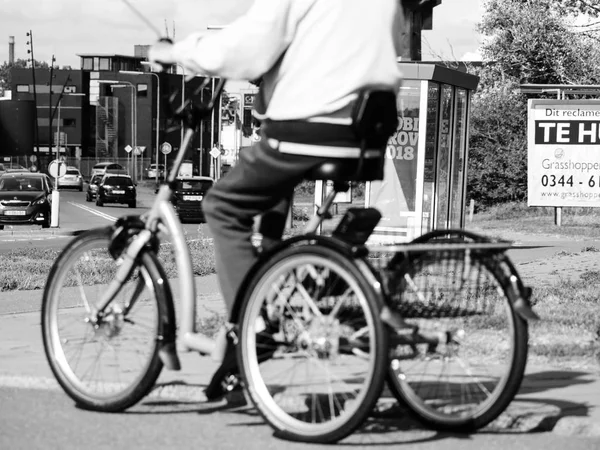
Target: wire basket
point(443, 279)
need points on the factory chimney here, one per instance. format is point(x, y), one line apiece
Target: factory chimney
point(11, 49)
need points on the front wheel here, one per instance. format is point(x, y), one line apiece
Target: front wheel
point(105, 361)
point(312, 350)
point(459, 360)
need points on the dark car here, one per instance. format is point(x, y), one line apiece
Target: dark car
point(25, 199)
point(188, 196)
point(92, 189)
point(115, 188)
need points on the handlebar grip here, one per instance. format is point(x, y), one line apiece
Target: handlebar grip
point(158, 65)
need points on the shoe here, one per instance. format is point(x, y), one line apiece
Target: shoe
point(226, 378)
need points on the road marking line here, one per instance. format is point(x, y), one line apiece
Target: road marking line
point(94, 211)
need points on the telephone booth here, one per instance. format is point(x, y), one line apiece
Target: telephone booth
point(426, 160)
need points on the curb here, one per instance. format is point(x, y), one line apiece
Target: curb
point(577, 426)
point(43, 231)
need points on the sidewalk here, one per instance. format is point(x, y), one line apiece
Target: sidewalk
point(564, 401)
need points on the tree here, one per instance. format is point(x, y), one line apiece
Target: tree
point(532, 41)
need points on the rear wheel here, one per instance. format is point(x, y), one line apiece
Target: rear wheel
point(104, 361)
point(312, 350)
point(132, 204)
point(459, 360)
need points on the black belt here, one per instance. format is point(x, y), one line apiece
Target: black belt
point(315, 133)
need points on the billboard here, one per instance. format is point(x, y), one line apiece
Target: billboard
point(563, 157)
point(395, 196)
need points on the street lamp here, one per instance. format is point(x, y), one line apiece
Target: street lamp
point(55, 213)
point(130, 72)
point(120, 83)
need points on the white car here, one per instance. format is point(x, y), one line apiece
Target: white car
point(104, 167)
point(71, 179)
point(151, 171)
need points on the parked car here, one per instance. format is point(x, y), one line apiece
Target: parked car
point(25, 198)
point(92, 189)
point(104, 167)
point(188, 196)
point(116, 188)
point(71, 179)
point(151, 171)
point(10, 167)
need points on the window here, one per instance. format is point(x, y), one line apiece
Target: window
point(194, 185)
point(87, 64)
point(118, 181)
point(103, 64)
point(69, 122)
point(142, 90)
point(22, 88)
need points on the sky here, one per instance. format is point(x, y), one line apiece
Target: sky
point(66, 28)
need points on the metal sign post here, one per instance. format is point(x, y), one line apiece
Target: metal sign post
point(128, 150)
point(165, 148)
point(56, 169)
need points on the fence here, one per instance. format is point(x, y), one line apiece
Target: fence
point(137, 170)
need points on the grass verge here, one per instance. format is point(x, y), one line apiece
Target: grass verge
point(568, 335)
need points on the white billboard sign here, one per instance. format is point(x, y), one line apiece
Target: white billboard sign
point(563, 166)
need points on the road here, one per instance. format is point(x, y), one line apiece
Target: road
point(36, 414)
point(75, 215)
point(47, 419)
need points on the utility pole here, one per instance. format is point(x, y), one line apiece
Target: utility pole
point(36, 130)
point(50, 106)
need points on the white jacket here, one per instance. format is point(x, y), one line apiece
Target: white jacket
point(313, 54)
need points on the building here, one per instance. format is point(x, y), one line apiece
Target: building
point(106, 110)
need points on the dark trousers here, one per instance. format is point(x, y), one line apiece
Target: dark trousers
point(261, 182)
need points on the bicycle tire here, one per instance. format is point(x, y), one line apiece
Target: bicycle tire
point(329, 279)
point(436, 400)
point(79, 270)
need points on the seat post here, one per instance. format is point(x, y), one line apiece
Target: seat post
point(316, 221)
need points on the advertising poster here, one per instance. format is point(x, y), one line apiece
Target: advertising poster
point(395, 196)
point(563, 165)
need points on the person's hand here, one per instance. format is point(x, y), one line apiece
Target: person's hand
point(161, 54)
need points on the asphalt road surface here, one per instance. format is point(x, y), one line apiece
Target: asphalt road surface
point(47, 419)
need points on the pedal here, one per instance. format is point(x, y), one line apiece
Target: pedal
point(230, 382)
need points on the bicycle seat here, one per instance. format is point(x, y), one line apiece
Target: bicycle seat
point(374, 120)
point(347, 169)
